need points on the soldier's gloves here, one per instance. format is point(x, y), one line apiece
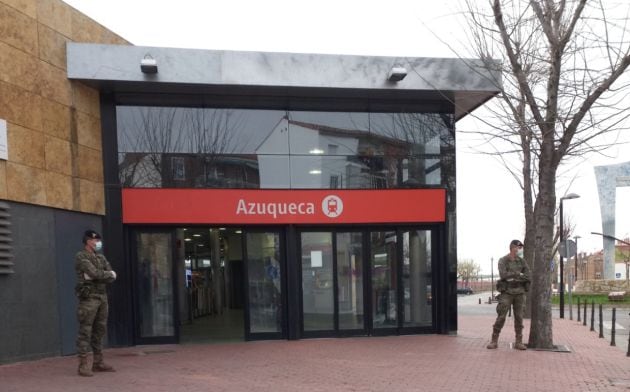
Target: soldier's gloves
point(112, 274)
point(86, 276)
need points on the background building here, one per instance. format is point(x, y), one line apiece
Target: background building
point(285, 195)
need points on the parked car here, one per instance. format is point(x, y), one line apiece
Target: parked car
point(464, 290)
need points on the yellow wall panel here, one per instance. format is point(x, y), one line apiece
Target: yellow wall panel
point(28, 7)
point(58, 156)
point(92, 197)
point(18, 68)
point(20, 106)
point(86, 99)
point(18, 29)
point(25, 146)
point(3, 179)
point(26, 183)
point(88, 130)
point(90, 164)
point(54, 83)
point(56, 119)
point(55, 14)
point(52, 46)
point(58, 190)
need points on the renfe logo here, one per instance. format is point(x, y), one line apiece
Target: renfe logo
point(332, 206)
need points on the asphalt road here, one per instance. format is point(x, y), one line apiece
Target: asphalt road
point(470, 305)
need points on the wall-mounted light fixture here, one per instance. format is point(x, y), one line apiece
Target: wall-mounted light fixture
point(396, 74)
point(148, 65)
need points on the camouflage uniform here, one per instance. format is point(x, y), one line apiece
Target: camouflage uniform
point(92, 276)
point(512, 286)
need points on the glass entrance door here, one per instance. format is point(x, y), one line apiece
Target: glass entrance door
point(384, 279)
point(332, 283)
point(318, 280)
point(416, 279)
point(365, 282)
point(401, 276)
point(155, 291)
point(264, 259)
point(350, 303)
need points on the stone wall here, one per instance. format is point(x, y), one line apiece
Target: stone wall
point(53, 124)
point(600, 286)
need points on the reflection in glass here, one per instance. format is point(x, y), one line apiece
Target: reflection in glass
point(274, 171)
point(317, 281)
point(329, 124)
point(384, 297)
point(265, 289)
point(417, 278)
point(244, 148)
point(350, 280)
point(155, 284)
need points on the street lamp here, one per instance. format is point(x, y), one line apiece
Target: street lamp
point(562, 199)
point(576, 257)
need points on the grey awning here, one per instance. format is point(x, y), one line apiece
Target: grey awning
point(116, 68)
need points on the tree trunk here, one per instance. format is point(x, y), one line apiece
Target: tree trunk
point(541, 332)
point(530, 230)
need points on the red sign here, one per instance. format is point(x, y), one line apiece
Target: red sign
point(262, 206)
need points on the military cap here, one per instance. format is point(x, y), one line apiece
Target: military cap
point(516, 243)
point(90, 234)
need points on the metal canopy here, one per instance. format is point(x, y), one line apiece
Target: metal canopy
point(464, 83)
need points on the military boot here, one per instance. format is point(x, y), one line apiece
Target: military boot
point(100, 366)
point(84, 367)
point(519, 343)
point(494, 343)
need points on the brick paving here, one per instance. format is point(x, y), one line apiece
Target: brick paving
point(397, 363)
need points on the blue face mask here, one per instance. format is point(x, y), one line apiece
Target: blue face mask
point(98, 246)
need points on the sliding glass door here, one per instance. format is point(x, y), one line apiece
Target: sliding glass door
point(264, 257)
point(156, 320)
point(365, 282)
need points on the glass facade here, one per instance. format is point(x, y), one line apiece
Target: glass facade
point(317, 281)
point(384, 279)
point(154, 282)
point(416, 278)
point(375, 279)
point(264, 282)
point(350, 280)
point(176, 147)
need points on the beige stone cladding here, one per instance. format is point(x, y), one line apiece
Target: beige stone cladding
point(53, 124)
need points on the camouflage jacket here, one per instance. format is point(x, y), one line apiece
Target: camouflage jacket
point(514, 275)
point(91, 277)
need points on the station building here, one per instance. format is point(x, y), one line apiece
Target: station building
point(240, 195)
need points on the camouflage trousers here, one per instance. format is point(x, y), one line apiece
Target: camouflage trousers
point(517, 302)
point(92, 316)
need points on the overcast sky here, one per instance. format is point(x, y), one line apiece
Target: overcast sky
point(490, 212)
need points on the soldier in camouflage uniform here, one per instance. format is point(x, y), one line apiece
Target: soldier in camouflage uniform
point(93, 273)
point(512, 286)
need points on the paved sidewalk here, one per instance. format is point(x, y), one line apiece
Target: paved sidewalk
point(401, 363)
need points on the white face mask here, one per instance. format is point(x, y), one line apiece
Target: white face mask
point(98, 246)
point(519, 253)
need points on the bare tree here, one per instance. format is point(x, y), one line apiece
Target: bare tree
point(467, 269)
point(148, 135)
point(562, 96)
